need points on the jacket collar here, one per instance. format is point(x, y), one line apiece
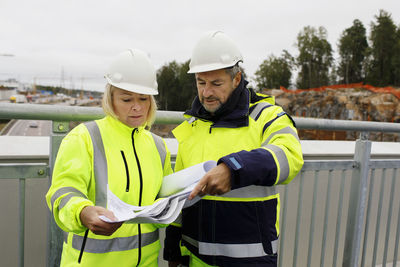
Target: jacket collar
point(232, 114)
point(122, 126)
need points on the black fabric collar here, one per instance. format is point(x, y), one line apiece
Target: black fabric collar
point(232, 114)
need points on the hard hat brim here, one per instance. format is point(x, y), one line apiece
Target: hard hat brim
point(134, 88)
point(209, 67)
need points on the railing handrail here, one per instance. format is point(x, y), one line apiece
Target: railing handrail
point(358, 192)
point(77, 113)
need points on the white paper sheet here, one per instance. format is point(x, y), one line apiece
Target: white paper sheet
point(172, 198)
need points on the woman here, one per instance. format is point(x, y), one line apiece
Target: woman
point(119, 152)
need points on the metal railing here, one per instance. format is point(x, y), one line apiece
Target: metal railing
point(348, 221)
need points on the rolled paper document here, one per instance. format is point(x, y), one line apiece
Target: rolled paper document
point(180, 180)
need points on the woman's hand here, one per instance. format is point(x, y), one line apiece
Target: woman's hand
point(90, 218)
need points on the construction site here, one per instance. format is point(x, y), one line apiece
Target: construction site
point(360, 102)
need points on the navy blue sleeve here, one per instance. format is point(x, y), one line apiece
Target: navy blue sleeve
point(255, 167)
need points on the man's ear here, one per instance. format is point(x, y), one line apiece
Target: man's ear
point(237, 79)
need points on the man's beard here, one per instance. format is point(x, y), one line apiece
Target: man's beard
point(214, 109)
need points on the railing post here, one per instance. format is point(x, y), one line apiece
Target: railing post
point(54, 233)
point(357, 205)
point(21, 237)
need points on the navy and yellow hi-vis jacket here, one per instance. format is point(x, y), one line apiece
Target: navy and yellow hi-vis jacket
point(258, 141)
point(132, 162)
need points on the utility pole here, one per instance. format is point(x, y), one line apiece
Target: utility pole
point(34, 86)
point(62, 78)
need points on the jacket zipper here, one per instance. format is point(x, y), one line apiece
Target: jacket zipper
point(126, 170)
point(140, 196)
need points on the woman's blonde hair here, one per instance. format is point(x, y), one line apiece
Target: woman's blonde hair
point(108, 107)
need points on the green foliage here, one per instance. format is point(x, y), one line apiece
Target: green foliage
point(68, 92)
point(176, 88)
point(352, 51)
point(275, 72)
point(396, 59)
point(384, 41)
point(188, 84)
point(315, 57)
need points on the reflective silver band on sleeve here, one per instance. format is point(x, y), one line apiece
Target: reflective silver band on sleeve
point(65, 235)
point(286, 130)
point(114, 244)
point(65, 199)
point(257, 110)
point(64, 190)
point(282, 161)
point(99, 163)
point(161, 148)
point(228, 250)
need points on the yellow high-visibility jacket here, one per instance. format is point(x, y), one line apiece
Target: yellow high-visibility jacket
point(132, 161)
point(258, 141)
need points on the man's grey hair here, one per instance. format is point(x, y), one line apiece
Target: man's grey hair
point(232, 71)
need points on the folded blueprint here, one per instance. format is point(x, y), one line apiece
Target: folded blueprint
point(172, 198)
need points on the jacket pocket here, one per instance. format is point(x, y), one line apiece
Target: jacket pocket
point(266, 218)
point(126, 170)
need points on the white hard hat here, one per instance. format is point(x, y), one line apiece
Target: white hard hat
point(132, 71)
point(215, 50)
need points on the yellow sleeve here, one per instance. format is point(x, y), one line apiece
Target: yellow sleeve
point(71, 179)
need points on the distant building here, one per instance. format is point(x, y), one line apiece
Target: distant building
point(11, 87)
point(8, 88)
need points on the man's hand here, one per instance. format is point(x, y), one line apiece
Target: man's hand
point(90, 218)
point(216, 181)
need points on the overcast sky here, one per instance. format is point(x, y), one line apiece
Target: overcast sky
point(73, 41)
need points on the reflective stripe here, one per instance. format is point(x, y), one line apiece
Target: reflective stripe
point(99, 164)
point(280, 114)
point(248, 193)
point(65, 234)
point(114, 244)
point(228, 250)
point(62, 191)
point(274, 245)
point(282, 161)
point(161, 148)
point(286, 130)
point(66, 198)
point(258, 109)
point(234, 161)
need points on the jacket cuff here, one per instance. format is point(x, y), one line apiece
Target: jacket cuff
point(234, 165)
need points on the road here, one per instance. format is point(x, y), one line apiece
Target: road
point(30, 128)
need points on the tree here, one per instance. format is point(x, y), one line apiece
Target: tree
point(352, 51)
point(396, 59)
point(176, 88)
point(383, 42)
point(188, 86)
point(314, 59)
point(168, 85)
point(275, 72)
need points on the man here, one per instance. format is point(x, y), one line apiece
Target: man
point(256, 146)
